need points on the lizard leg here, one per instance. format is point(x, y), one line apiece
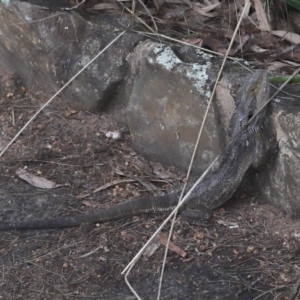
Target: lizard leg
point(198, 216)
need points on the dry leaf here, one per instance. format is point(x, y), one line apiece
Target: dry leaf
point(36, 181)
point(103, 6)
point(257, 49)
point(197, 9)
point(163, 238)
point(288, 36)
point(210, 7)
point(214, 45)
point(261, 16)
point(161, 172)
point(119, 172)
point(127, 236)
point(70, 112)
point(194, 41)
point(90, 204)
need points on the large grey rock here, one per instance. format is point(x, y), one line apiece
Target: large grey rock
point(280, 182)
point(48, 47)
point(168, 102)
point(167, 105)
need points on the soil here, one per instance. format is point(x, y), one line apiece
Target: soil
point(249, 251)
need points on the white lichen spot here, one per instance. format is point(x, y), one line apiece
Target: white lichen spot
point(28, 19)
point(66, 27)
point(205, 55)
point(166, 57)
point(84, 60)
point(245, 62)
point(162, 126)
point(192, 122)
point(206, 155)
point(164, 100)
point(198, 73)
point(6, 3)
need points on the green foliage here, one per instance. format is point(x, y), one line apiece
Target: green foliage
point(283, 79)
point(294, 3)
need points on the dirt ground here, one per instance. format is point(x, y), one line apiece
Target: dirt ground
point(249, 251)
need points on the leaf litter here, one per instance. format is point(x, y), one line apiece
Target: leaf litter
point(250, 251)
point(266, 25)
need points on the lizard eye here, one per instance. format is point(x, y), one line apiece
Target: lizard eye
point(252, 90)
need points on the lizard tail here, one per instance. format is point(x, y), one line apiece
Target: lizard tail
point(148, 205)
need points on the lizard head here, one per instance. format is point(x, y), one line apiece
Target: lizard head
point(251, 96)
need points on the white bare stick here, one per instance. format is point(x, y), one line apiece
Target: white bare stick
point(169, 217)
point(247, 6)
point(59, 91)
point(129, 285)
